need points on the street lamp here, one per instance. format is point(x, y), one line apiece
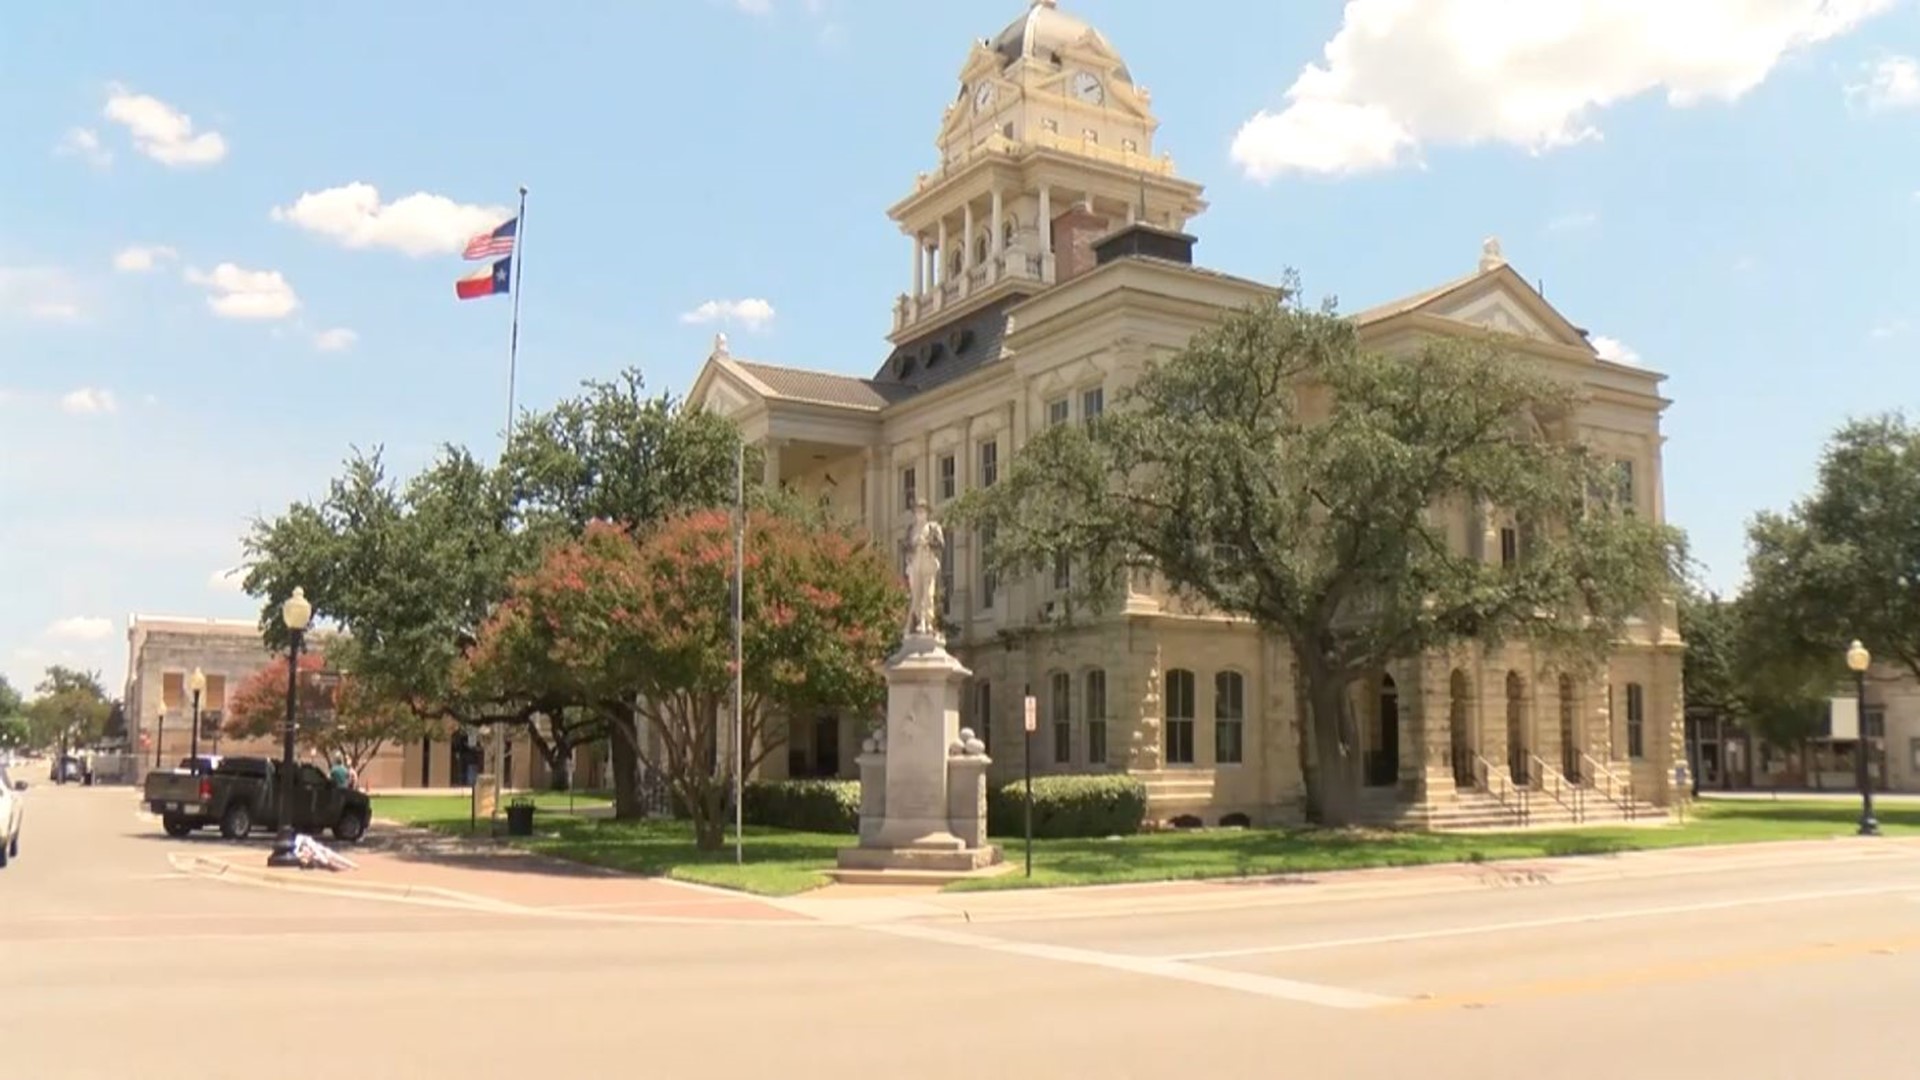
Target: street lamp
point(294, 613)
point(1857, 660)
point(159, 733)
point(197, 684)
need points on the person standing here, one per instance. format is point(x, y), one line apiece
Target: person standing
point(342, 776)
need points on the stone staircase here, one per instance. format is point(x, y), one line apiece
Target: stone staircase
point(1469, 809)
point(1172, 793)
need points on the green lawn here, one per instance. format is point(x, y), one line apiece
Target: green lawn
point(781, 863)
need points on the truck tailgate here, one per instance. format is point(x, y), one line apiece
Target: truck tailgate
point(172, 791)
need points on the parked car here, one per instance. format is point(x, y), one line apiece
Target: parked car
point(70, 770)
point(242, 794)
point(10, 813)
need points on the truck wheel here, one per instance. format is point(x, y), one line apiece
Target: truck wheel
point(175, 827)
point(350, 828)
point(237, 822)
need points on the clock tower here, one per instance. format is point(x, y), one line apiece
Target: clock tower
point(1046, 146)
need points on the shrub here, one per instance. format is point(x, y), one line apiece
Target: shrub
point(826, 806)
point(1067, 807)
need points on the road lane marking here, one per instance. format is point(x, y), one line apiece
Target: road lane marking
point(1333, 997)
point(1689, 971)
point(1537, 924)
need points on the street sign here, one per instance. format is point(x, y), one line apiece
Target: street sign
point(1033, 713)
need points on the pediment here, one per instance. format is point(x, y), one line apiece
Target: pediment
point(722, 389)
point(1503, 302)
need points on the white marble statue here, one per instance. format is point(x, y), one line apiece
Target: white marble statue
point(925, 543)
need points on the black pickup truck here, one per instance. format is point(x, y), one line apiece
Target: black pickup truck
point(242, 794)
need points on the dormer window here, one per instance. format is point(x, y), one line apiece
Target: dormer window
point(936, 353)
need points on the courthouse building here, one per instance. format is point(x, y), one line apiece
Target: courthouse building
point(1049, 260)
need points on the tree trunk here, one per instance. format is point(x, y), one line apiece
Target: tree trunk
point(626, 779)
point(1332, 785)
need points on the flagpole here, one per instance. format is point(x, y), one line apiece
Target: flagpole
point(513, 337)
point(513, 370)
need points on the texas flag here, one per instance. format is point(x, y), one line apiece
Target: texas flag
point(487, 282)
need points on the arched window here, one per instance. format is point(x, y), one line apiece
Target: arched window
point(1178, 706)
point(1060, 710)
point(1007, 230)
point(1094, 704)
point(1636, 721)
point(1229, 717)
point(980, 249)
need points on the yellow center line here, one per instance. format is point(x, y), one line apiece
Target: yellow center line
point(1662, 973)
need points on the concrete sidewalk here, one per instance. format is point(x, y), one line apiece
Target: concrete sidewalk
point(425, 867)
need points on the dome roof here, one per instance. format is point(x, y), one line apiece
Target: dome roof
point(1042, 33)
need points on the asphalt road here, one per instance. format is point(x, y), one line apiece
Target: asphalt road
point(113, 965)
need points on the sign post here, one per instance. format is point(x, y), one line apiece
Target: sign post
point(1032, 724)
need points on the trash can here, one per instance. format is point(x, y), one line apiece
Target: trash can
point(520, 818)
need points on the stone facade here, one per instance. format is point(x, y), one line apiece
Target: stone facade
point(1050, 263)
point(162, 653)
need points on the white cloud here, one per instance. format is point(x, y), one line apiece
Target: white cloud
point(754, 314)
point(1613, 349)
point(89, 401)
point(161, 131)
point(338, 339)
point(1400, 75)
point(1887, 329)
point(139, 258)
point(1892, 83)
point(246, 294)
point(418, 224)
point(84, 143)
point(39, 292)
point(81, 628)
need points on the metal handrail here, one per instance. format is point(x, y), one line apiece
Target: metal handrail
point(1512, 797)
point(1555, 785)
point(1617, 791)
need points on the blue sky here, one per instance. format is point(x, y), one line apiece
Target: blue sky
point(185, 342)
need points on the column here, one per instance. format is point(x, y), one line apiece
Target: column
point(875, 507)
point(1046, 233)
point(770, 453)
point(940, 256)
point(919, 267)
point(999, 229)
point(966, 241)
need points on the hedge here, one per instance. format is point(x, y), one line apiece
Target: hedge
point(823, 806)
point(1067, 807)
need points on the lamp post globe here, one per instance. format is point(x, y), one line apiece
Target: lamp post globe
point(1858, 660)
point(196, 685)
point(294, 614)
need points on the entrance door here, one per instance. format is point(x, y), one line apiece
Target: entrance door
point(1460, 729)
point(1383, 763)
point(826, 746)
point(1569, 745)
point(1517, 743)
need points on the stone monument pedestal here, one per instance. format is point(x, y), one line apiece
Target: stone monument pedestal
point(923, 778)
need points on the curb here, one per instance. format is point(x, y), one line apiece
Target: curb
point(311, 881)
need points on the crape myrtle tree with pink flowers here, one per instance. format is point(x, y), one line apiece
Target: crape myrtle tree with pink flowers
point(637, 625)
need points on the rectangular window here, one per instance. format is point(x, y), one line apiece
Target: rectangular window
point(949, 477)
point(1623, 484)
point(946, 577)
point(1509, 545)
point(1095, 704)
point(1058, 412)
point(1061, 691)
point(989, 581)
point(1062, 572)
point(1636, 721)
point(1229, 718)
point(909, 490)
point(1092, 403)
point(1178, 707)
point(989, 463)
point(983, 713)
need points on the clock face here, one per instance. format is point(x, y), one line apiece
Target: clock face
point(1086, 86)
point(982, 96)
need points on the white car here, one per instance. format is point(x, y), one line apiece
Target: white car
point(10, 809)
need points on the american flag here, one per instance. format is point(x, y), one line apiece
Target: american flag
point(492, 245)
